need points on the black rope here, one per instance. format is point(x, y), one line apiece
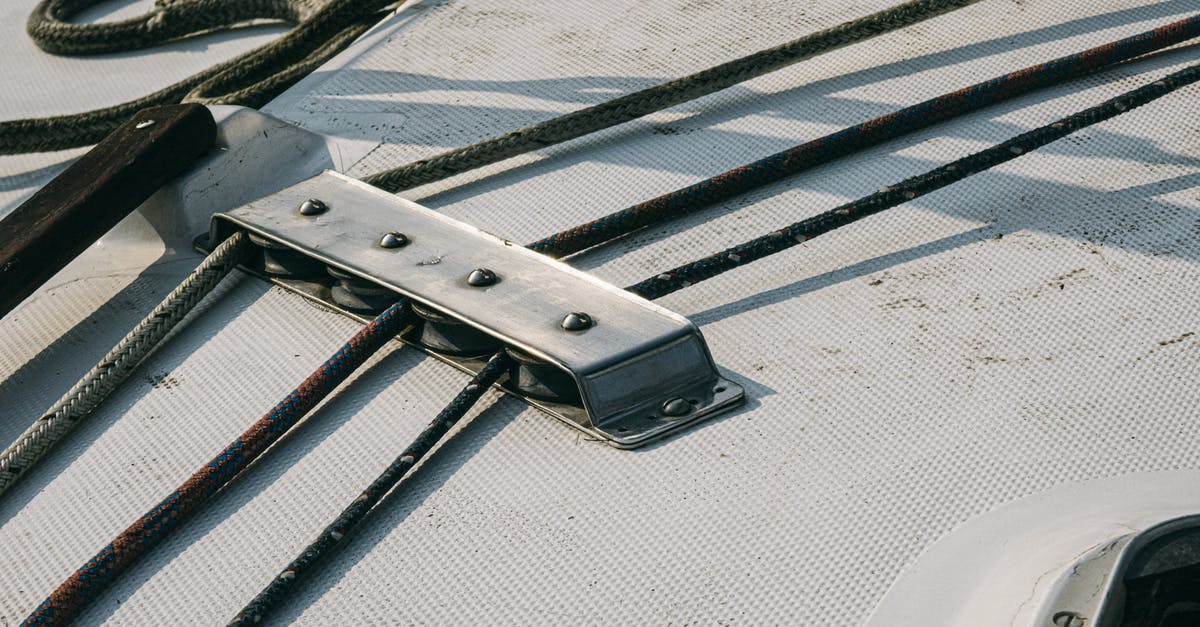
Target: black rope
point(690, 274)
point(708, 267)
point(776, 241)
point(358, 509)
point(823, 150)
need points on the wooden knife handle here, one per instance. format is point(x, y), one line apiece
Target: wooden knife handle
point(72, 211)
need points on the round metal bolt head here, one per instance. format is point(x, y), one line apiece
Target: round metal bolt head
point(313, 207)
point(144, 124)
point(577, 321)
point(482, 277)
point(395, 239)
point(676, 407)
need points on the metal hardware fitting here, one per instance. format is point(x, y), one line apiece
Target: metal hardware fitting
point(577, 321)
point(395, 239)
point(481, 277)
point(627, 372)
point(313, 207)
point(676, 407)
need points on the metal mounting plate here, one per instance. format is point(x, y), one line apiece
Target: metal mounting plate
point(634, 358)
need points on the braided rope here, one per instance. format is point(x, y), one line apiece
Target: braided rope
point(646, 101)
point(90, 579)
point(323, 30)
point(95, 575)
point(256, 72)
point(166, 21)
point(663, 284)
point(250, 79)
point(101, 380)
point(888, 197)
point(695, 197)
point(357, 511)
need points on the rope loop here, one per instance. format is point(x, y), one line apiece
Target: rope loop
point(168, 20)
point(322, 28)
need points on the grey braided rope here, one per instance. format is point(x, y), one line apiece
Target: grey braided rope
point(657, 98)
point(165, 21)
point(254, 78)
point(258, 73)
point(100, 381)
point(323, 28)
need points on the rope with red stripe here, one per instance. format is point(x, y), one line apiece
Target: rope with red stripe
point(821, 151)
point(114, 558)
point(357, 511)
point(895, 195)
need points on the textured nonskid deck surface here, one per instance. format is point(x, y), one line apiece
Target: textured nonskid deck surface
point(1030, 335)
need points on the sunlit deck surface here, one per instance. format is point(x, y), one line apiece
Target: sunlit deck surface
point(1027, 340)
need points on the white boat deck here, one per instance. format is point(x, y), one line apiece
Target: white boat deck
point(1021, 346)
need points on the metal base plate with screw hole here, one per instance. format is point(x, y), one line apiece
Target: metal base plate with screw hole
point(637, 371)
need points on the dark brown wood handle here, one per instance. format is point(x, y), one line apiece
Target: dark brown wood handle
point(72, 211)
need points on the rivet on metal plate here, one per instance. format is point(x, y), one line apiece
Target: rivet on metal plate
point(627, 371)
point(313, 207)
point(676, 407)
point(395, 239)
point(577, 321)
point(482, 277)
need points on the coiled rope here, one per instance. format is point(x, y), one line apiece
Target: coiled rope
point(255, 77)
point(323, 28)
point(101, 380)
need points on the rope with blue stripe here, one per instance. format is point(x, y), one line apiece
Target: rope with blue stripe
point(777, 241)
point(821, 151)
